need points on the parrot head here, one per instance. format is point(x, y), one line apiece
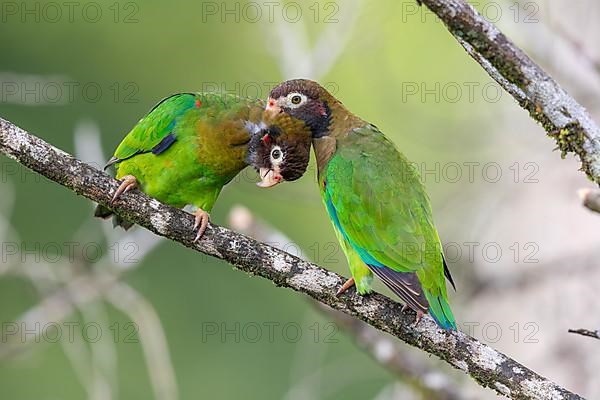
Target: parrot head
point(279, 150)
point(305, 100)
point(303, 110)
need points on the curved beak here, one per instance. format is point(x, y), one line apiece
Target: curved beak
point(269, 178)
point(272, 107)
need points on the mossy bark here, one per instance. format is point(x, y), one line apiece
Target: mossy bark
point(559, 114)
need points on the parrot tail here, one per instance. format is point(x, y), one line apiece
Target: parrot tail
point(440, 310)
point(105, 213)
point(407, 286)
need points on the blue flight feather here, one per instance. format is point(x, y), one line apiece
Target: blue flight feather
point(164, 144)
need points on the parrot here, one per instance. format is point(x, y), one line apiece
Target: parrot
point(190, 145)
point(374, 197)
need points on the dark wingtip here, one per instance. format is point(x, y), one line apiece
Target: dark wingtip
point(447, 273)
point(405, 285)
point(164, 144)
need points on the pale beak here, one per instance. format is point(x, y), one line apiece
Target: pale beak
point(272, 107)
point(269, 178)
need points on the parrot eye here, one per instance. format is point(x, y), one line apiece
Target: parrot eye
point(295, 100)
point(276, 155)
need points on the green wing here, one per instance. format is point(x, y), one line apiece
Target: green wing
point(153, 128)
point(376, 199)
point(156, 131)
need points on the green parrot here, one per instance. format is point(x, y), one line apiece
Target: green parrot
point(190, 145)
point(374, 197)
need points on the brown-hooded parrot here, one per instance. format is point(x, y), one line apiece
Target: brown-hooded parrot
point(192, 144)
point(374, 197)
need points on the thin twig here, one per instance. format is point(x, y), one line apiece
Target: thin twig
point(294, 53)
point(586, 332)
point(152, 335)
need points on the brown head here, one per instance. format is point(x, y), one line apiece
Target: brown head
point(319, 117)
point(279, 149)
point(304, 100)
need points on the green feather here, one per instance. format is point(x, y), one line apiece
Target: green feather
point(380, 208)
point(207, 147)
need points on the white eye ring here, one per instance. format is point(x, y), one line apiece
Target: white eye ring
point(295, 100)
point(276, 155)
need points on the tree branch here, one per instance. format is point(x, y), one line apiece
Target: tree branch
point(487, 366)
point(561, 116)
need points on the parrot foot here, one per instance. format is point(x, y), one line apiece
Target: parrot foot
point(128, 182)
point(202, 218)
point(347, 285)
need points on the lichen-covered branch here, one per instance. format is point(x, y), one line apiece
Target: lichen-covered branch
point(561, 116)
point(487, 366)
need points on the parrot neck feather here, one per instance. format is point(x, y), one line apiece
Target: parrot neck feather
point(342, 123)
point(324, 149)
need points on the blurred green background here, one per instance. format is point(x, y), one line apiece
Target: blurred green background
point(389, 63)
